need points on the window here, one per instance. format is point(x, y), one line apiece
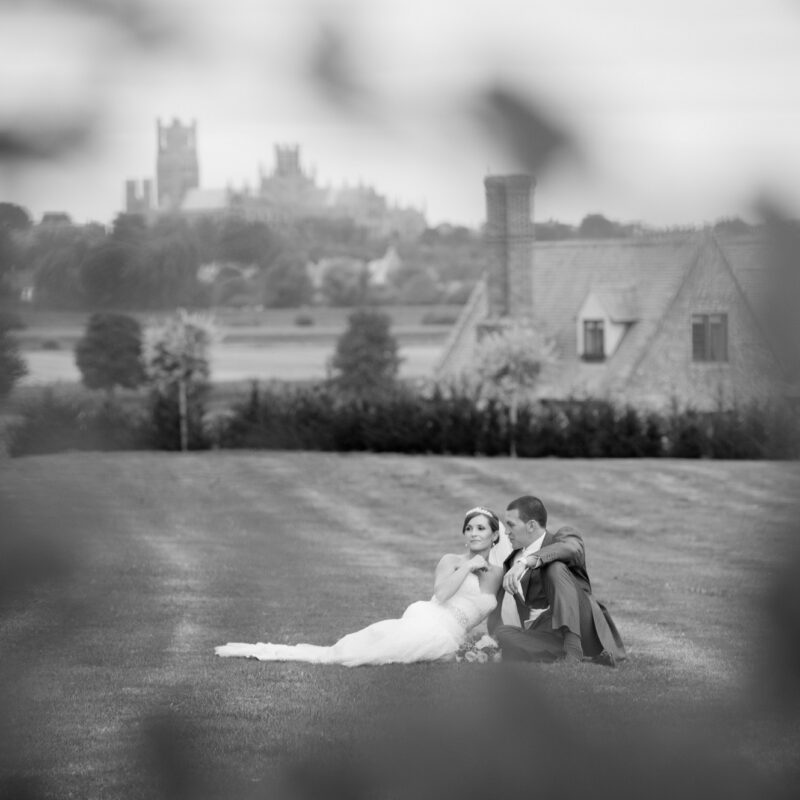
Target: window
point(709, 337)
point(594, 348)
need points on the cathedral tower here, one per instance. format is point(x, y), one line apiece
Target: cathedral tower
point(138, 196)
point(287, 161)
point(177, 168)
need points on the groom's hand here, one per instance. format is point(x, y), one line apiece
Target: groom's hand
point(512, 578)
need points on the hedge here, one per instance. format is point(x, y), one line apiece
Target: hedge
point(444, 420)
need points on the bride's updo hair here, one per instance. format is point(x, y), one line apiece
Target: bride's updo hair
point(482, 511)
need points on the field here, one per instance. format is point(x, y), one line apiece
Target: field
point(119, 573)
point(253, 344)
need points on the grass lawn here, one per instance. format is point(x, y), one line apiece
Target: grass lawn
point(119, 573)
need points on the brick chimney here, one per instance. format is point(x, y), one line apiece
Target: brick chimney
point(509, 236)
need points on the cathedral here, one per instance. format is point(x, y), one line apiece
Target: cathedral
point(288, 193)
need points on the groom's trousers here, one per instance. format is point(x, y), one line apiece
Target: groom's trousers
point(569, 610)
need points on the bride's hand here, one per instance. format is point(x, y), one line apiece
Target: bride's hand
point(477, 564)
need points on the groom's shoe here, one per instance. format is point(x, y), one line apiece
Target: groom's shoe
point(605, 659)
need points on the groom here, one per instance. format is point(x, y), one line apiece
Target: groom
point(546, 579)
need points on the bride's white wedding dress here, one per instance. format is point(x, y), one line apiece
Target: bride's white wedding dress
point(429, 630)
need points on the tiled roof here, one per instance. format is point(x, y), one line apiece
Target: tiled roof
point(747, 257)
point(636, 281)
point(565, 272)
point(621, 303)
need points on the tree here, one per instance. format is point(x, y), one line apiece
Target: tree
point(110, 352)
point(8, 257)
point(553, 230)
point(12, 366)
point(345, 282)
point(105, 272)
point(286, 283)
point(419, 289)
point(57, 275)
point(509, 362)
point(248, 242)
point(164, 276)
point(14, 217)
point(129, 228)
point(596, 226)
point(732, 225)
point(56, 254)
point(366, 360)
point(178, 367)
point(14, 221)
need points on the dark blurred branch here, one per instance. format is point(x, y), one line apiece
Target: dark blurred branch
point(522, 128)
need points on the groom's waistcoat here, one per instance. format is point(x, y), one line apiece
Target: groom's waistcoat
point(566, 546)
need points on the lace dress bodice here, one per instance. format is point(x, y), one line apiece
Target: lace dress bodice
point(469, 605)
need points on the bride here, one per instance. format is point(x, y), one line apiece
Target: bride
point(464, 594)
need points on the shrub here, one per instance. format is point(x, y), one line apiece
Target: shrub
point(452, 419)
point(366, 361)
point(449, 419)
point(165, 419)
point(737, 433)
point(51, 423)
point(542, 431)
point(110, 352)
point(754, 431)
point(283, 417)
point(11, 321)
point(303, 320)
point(12, 365)
point(687, 434)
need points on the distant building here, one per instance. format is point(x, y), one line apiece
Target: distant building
point(198, 202)
point(381, 269)
point(288, 193)
point(177, 164)
point(139, 197)
point(644, 320)
point(56, 218)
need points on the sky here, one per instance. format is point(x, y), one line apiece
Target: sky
point(670, 113)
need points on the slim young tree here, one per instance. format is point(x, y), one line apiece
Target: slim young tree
point(509, 362)
point(177, 360)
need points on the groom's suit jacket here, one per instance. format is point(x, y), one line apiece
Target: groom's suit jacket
point(566, 546)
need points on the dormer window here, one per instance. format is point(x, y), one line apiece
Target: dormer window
point(594, 348)
point(604, 317)
point(709, 337)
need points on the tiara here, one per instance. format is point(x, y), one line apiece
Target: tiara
point(482, 510)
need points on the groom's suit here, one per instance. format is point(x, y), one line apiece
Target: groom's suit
point(561, 586)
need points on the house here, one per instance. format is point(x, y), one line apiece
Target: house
point(645, 320)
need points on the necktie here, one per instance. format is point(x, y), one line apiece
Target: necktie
point(508, 610)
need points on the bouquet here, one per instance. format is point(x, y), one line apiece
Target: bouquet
point(479, 650)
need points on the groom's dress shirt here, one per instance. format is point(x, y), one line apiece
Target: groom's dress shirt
point(509, 612)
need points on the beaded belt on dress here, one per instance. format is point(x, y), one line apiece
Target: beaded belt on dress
point(461, 616)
